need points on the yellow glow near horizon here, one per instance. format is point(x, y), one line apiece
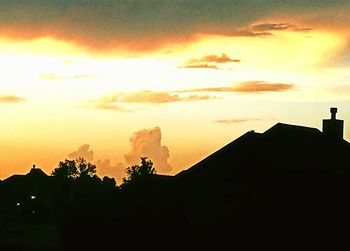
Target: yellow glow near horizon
point(56, 78)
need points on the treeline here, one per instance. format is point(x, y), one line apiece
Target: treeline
point(72, 207)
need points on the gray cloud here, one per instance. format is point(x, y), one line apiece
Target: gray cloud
point(146, 25)
point(247, 87)
point(11, 99)
point(148, 142)
point(266, 27)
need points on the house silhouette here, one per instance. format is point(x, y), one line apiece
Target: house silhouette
point(291, 179)
point(287, 176)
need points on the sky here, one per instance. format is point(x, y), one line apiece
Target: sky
point(173, 80)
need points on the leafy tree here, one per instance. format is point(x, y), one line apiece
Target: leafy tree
point(66, 169)
point(137, 173)
point(108, 182)
point(72, 169)
point(85, 168)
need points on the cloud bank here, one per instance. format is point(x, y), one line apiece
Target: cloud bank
point(151, 24)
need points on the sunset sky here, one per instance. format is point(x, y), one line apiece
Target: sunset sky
point(173, 80)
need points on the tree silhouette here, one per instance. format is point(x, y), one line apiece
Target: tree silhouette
point(108, 182)
point(85, 168)
point(72, 169)
point(138, 173)
point(66, 169)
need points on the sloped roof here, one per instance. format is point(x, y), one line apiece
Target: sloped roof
point(34, 173)
point(283, 146)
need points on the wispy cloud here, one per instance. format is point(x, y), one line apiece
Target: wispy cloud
point(11, 99)
point(100, 104)
point(201, 66)
point(148, 96)
point(249, 33)
point(263, 27)
point(234, 121)
point(114, 101)
point(214, 59)
point(266, 29)
point(53, 76)
point(209, 62)
point(247, 87)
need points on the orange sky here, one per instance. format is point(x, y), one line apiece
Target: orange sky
point(173, 80)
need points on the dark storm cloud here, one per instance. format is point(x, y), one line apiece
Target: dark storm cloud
point(141, 24)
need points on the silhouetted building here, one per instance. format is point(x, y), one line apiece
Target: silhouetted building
point(289, 178)
point(287, 170)
point(333, 127)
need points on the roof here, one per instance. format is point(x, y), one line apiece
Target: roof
point(283, 146)
point(34, 173)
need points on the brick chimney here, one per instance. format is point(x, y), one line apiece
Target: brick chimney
point(333, 128)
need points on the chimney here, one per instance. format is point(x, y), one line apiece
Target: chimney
point(333, 128)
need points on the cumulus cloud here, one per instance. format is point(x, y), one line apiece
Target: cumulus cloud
point(247, 87)
point(82, 152)
point(104, 167)
point(143, 143)
point(148, 142)
point(147, 25)
point(11, 99)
